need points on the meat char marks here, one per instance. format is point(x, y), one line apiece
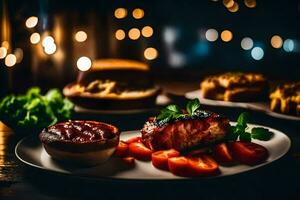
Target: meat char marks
point(186, 132)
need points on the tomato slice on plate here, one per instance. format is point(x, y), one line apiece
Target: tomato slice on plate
point(203, 165)
point(249, 153)
point(160, 158)
point(139, 151)
point(130, 161)
point(133, 139)
point(179, 166)
point(222, 153)
point(121, 149)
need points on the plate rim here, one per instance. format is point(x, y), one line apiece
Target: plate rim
point(251, 168)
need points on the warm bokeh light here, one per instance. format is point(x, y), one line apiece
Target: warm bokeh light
point(247, 43)
point(120, 13)
point(31, 22)
point(234, 8)
point(19, 54)
point(150, 53)
point(5, 44)
point(147, 31)
point(48, 40)
point(211, 35)
point(3, 52)
point(250, 3)
point(228, 3)
point(138, 13)
point(50, 48)
point(134, 33)
point(80, 36)
point(120, 34)
point(276, 42)
point(35, 38)
point(226, 35)
point(288, 45)
point(257, 53)
point(84, 63)
point(10, 60)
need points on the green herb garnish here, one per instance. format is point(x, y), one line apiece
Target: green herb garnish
point(192, 106)
point(239, 131)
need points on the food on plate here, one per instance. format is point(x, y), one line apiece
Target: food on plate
point(222, 153)
point(82, 142)
point(34, 111)
point(286, 99)
point(139, 151)
point(174, 129)
point(160, 158)
point(112, 84)
point(235, 86)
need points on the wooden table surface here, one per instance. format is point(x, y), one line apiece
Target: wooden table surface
point(279, 180)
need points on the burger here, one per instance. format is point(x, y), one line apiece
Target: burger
point(113, 84)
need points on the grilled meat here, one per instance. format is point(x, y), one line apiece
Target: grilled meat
point(186, 132)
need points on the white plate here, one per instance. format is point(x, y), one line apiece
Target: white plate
point(258, 106)
point(30, 151)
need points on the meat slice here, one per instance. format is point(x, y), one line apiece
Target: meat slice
point(184, 133)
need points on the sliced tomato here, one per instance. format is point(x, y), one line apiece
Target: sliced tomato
point(160, 158)
point(133, 139)
point(202, 165)
point(222, 153)
point(130, 161)
point(139, 151)
point(179, 166)
point(249, 153)
point(121, 150)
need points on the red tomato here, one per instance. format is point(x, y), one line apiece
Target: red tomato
point(202, 165)
point(121, 150)
point(179, 166)
point(129, 160)
point(139, 151)
point(222, 153)
point(134, 139)
point(160, 158)
point(249, 153)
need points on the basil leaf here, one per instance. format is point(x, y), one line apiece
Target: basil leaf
point(192, 106)
point(245, 137)
point(243, 119)
point(173, 108)
point(164, 114)
point(261, 134)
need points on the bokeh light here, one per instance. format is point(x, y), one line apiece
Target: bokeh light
point(289, 45)
point(211, 35)
point(228, 3)
point(134, 33)
point(257, 53)
point(138, 13)
point(250, 3)
point(19, 54)
point(234, 8)
point(226, 35)
point(80, 36)
point(31, 22)
point(276, 42)
point(48, 40)
point(120, 13)
point(10, 60)
point(5, 44)
point(3, 52)
point(150, 53)
point(50, 48)
point(84, 63)
point(120, 34)
point(147, 31)
point(35, 38)
point(247, 43)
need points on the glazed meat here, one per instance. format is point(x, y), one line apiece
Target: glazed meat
point(184, 133)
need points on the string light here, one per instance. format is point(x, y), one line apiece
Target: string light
point(147, 31)
point(120, 13)
point(276, 42)
point(257, 53)
point(226, 35)
point(3, 52)
point(211, 35)
point(35, 38)
point(150, 53)
point(228, 3)
point(84, 63)
point(31, 22)
point(48, 40)
point(250, 3)
point(288, 45)
point(50, 48)
point(234, 8)
point(120, 34)
point(10, 60)
point(247, 43)
point(80, 36)
point(134, 34)
point(138, 13)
